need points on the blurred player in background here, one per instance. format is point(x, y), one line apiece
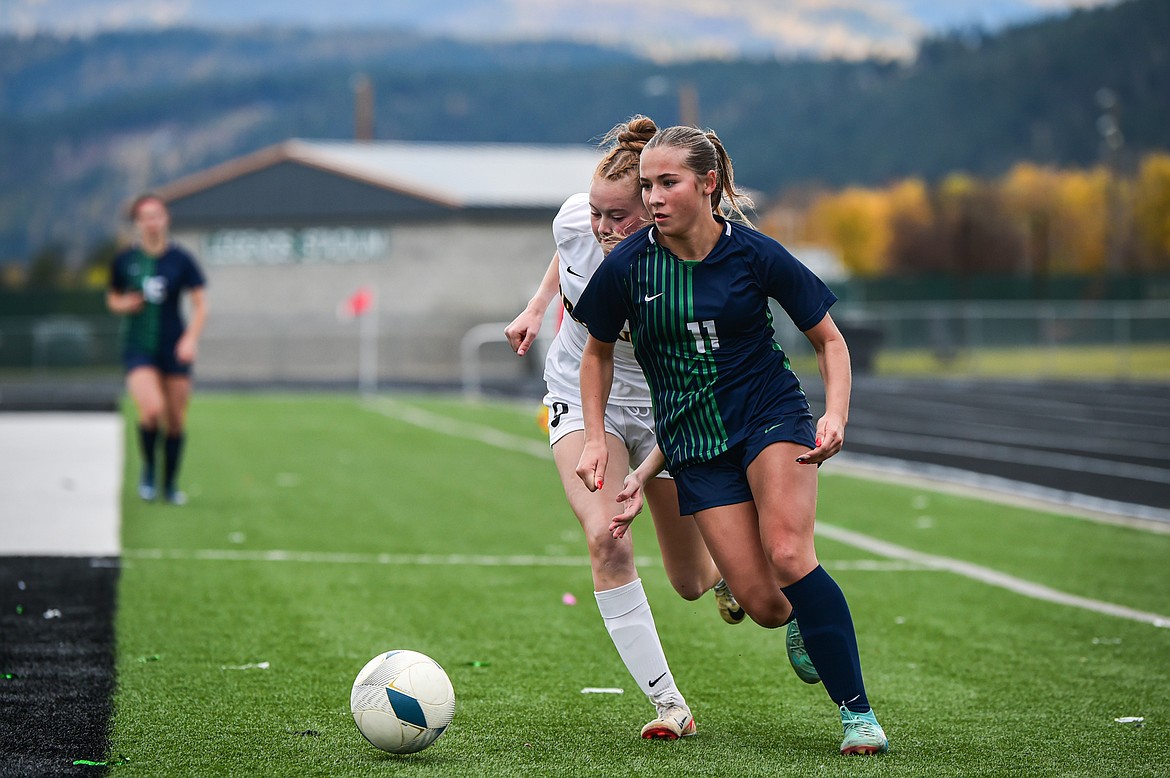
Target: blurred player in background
point(734, 426)
point(586, 228)
point(147, 282)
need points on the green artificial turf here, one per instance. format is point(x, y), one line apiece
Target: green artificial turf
point(436, 536)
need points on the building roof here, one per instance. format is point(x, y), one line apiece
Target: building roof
point(454, 175)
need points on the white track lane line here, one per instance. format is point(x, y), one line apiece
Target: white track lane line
point(994, 452)
point(1004, 491)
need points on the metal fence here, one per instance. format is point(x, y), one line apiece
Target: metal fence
point(1108, 339)
point(1105, 339)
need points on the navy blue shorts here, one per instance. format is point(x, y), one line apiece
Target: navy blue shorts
point(165, 362)
point(723, 480)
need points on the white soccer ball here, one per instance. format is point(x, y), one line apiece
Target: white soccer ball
point(402, 701)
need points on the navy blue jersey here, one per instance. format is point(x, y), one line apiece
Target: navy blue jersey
point(161, 281)
point(702, 332)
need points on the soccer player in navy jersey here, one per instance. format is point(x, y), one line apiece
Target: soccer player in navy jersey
point(586, 228)
point(147, 283)
point(733, 426)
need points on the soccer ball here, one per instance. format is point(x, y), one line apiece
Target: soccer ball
point(402, 701)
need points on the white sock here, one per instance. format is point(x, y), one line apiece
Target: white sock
point(631, 627)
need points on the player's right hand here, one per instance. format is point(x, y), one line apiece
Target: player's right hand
point(591, 465)
point(133, 302)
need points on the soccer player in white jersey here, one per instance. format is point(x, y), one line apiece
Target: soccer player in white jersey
point(586, 228)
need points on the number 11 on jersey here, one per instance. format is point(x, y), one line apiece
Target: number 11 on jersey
point(704, 333)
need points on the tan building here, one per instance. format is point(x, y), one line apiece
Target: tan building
point(447, 236)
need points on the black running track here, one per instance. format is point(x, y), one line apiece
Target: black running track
point(1108, 442)
point(1105, 443)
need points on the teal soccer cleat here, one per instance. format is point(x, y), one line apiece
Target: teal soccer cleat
point(146, 490)
point(798, 656)
point(863, 734)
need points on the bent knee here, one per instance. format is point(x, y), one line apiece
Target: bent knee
point(150, 416)
point(769, 609)
point(689, 589)
point(791, 563)
point(770, 619)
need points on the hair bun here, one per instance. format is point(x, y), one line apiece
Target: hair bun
point(638, 130)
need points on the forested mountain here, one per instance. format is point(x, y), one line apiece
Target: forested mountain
point(85, 123)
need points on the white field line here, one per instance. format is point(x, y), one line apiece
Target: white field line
point(450, 560)
point(873, 545)
point(457, 428)
point(987, 575)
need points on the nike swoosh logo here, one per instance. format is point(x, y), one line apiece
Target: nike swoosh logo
point(648, 298)
point(656, 680)
point(774, 426)
point(569, 270)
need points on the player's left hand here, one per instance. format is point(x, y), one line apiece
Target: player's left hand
point(631, 497)
point(830, 438)
point(185, 350)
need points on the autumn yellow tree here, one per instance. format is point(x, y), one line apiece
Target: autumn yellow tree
point(854, 222)
point(914, 244)
point(1034, 220)
point(1151, 211)
point(1082, 235)
point(910, 202)
point(974, 234)
point(1062, 216)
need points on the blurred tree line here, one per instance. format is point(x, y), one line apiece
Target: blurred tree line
point(87, 123)
point(55, 267)
point(1036, 221)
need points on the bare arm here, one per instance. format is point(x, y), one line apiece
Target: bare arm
point(596, 381)
point(124, 303)
point(833, 361)
point(523, 330)
point(188, 345)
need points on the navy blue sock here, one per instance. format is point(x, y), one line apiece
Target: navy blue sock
point(829, 638)
point(147, 440)
point(173, 448)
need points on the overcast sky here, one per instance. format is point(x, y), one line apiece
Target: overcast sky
point(666, 28)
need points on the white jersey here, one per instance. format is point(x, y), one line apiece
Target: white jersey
point(580, 255)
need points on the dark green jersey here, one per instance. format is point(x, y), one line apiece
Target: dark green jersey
point(161, 281)
point(677, 355)
point(702, 332)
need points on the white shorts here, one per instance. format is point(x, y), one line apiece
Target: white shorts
point(631, 424)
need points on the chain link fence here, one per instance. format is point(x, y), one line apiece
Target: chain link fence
point(1040, 339)
point(1100, 340)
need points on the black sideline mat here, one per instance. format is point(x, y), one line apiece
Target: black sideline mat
point(56, 664)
